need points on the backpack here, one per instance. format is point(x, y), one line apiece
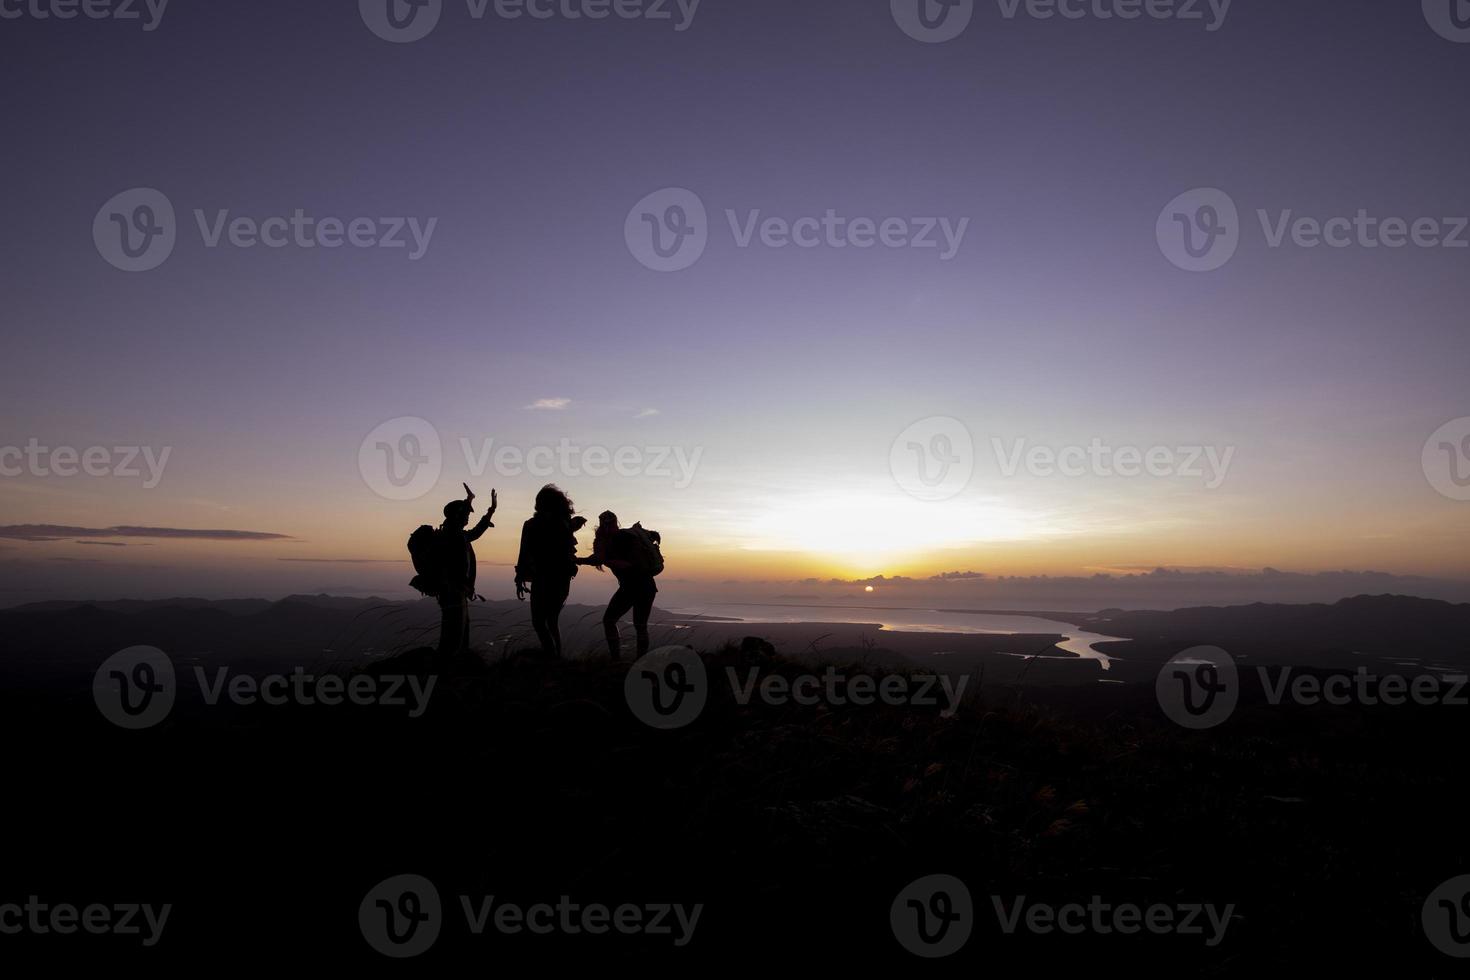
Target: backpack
point(423, 549)
point(644, 551)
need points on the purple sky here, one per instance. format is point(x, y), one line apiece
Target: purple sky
point(792, 371)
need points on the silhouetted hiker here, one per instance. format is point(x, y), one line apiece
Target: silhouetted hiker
point(457, 556)
point(633, 555)
point(548, 562)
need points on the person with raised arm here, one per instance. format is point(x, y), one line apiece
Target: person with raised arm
point(456, 541)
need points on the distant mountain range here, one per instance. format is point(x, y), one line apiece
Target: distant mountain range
point(238, 607)
point(333, 629)
point(1365, 625)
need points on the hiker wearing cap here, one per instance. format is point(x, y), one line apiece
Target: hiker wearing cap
point(457, 556)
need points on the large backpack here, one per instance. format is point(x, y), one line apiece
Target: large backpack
point(424, 550)
point(644, 552)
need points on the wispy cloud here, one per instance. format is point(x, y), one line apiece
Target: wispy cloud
point(549, 404)
point(58, 532)
point(646, 413)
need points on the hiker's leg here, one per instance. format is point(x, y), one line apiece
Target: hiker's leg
point(539, 619)
point(547, 598)
point(641, 612)
point(553, 615)
point(617, 608)
point(452, 626)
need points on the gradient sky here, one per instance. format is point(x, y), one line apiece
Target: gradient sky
point(791, 371)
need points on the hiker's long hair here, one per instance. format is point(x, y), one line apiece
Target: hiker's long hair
point(552, 501)
point(607, 526)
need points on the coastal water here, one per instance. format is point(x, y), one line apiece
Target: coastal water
point(910, 620)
